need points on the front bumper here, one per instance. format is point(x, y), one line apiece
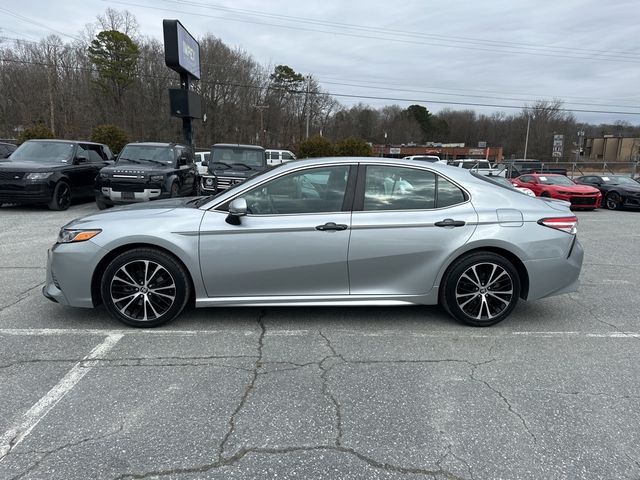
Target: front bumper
point(581, 201)
point(146, 194)
point(25, 193)
point(70, 268)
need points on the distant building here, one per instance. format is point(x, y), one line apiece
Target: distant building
point(612, 148)
point(446, 151)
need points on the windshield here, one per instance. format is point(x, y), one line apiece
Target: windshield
point(44, 152)
point(227, 157)
point(619, 180)
point(136, 154)
point(556, 180)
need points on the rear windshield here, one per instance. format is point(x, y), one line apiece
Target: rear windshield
point(47, 152)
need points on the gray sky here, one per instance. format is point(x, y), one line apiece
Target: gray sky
point(460, 52)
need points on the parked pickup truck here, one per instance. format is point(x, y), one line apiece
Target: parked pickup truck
point(483, 167)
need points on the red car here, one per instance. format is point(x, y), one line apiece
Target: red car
point(562, 188)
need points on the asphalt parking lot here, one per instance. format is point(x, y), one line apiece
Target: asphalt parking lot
point(323, 393)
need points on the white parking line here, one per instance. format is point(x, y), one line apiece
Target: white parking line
point(463, 333)
point(12, 437)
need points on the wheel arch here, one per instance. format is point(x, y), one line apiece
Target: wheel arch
point(518, 264)
point(96, 277)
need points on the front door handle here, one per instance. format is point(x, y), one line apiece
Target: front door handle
point(450, 222)
point(331, 226)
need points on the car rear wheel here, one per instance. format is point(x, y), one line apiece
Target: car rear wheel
point(481, 289)
point(61, 198)
point(613, 201)
point(145, 287)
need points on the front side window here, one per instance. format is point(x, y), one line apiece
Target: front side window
point(399, 188)
point(315, 190)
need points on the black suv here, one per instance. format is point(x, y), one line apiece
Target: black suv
point(52, 172)
point(6, 149)
point(230, 164)
point(147, 171)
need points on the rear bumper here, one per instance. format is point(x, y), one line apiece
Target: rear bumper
point(555, 276)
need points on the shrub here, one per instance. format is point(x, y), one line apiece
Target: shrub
point(315, 147)
point(353, 147)
point(39, 130)
point(110, 135)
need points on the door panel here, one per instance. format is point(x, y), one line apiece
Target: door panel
point(274, 255)
point(401, 252)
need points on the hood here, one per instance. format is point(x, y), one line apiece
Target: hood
point(32, 166)
point(135, 210)
point(575, 188)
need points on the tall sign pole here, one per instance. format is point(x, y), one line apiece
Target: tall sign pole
point(182, 54)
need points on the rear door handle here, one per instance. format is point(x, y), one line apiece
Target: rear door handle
point(450, 222)
point(331, 226)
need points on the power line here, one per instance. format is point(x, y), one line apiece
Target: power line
point(608, 57)
point(404, 33)
point(344, 95)
point(34, 22)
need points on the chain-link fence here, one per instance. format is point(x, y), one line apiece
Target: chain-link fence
point(571, 169)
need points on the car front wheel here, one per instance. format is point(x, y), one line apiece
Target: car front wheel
point(481, 289)
point(145, 287)
point(61, 198)
point(613, 201)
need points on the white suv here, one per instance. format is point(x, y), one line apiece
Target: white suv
point(425, 158)
point(276, 157)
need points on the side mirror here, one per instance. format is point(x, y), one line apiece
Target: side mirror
point(204, 163)
point(237, 209)
point(81, 159)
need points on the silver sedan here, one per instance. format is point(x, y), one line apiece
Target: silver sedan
point(331, 231)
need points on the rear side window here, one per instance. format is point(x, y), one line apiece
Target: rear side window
point(449, 194)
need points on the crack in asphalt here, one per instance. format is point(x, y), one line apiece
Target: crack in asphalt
point(47, 453)
point(240, 454)
point(504, 399)
point(249, 388)
point(589, 394)
point(632, 459)
point(460, 459)
point(325, 386)
point(594, 315)
point(21, 296)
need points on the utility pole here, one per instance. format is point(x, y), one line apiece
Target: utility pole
point(526, 140)
point(261, 108)
point(306, 103)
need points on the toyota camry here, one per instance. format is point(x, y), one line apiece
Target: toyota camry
point(330, 231)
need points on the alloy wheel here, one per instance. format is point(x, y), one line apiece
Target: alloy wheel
point(142, 290)
point(484, 290)
point(64, 196)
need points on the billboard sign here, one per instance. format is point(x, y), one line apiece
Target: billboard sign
point(181, 50)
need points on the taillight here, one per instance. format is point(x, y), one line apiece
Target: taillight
point(566, 224)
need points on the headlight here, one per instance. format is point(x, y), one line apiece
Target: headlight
point(70, 236)
point(38, 175)
point(208, 182)
point(104, 175)
point(156, 178)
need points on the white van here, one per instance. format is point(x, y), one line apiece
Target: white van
point(276, 157)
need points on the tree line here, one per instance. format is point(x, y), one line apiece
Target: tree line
point(110, 75)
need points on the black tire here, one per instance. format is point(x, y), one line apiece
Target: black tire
point(160, 291)
point(197, 191)
point(174, 191)
point(613, 201)
point(61, 198)
point(101, 204)
point(480, 289)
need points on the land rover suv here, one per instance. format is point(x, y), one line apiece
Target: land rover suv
point(147, 171)
point(230, 164)
point(52, 172)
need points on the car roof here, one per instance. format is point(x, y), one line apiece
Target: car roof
point(236, 145)
point(60, 140)
point(157, 144)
